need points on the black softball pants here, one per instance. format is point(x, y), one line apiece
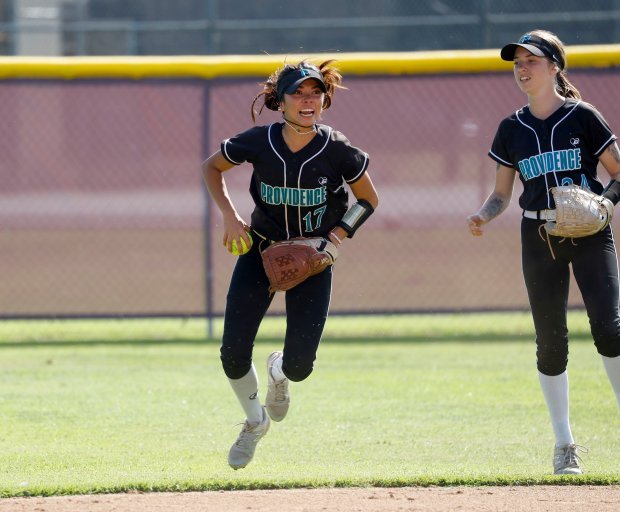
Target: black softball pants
point(247, 303)
point(595, 268)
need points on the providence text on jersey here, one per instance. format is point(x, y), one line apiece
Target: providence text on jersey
point(293, 196)
point(551, 161)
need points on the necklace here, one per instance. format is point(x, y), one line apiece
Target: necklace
point(298, 130)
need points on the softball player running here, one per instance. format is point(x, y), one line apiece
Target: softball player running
point(557, 139)
point(300, 169)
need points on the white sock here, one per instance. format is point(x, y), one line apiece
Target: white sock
point(246, 389)
point(276, 370)
point(612, 367)
point(555, 390)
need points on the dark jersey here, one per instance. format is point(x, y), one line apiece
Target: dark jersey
point(560, 150)
point(297, 194)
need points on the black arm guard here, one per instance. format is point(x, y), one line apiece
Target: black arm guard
point(356, 216)
point(612, 191)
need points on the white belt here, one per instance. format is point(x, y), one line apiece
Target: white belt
point(539, 214)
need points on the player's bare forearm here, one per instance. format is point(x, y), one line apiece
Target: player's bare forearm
point(212, 173)
point(497, 201)
point(218, 191)
point(363, 189)
point(493, 206)
point(235, 228)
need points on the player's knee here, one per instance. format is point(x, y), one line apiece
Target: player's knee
point(298, 369)
point(235, 368)
point(606, 337)
point(552, 358)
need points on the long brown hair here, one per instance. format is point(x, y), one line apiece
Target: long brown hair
point(331, 77)
point(564, 87)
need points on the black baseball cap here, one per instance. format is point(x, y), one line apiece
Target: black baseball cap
point(536, 46)
point(290, 79)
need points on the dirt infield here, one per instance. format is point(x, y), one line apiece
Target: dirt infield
point(427, 499)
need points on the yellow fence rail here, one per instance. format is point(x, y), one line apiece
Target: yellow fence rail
point(208, 67)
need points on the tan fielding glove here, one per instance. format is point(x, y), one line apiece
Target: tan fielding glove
point(579, 212)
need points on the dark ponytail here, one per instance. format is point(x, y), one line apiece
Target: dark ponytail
point(563, 86)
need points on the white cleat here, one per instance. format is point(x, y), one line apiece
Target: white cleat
point(566, 461)
point(242, 452)
point(278, 398)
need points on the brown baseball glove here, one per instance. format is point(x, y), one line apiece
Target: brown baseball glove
point(579, 212)
point(291, 262)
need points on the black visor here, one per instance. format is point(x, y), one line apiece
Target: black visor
point(536, 46)
point(291, 79)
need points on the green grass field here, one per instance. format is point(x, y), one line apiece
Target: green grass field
point(109, 406)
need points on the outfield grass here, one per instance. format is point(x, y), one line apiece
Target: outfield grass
point(104, 406)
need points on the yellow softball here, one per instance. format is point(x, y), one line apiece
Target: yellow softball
point(244, 247)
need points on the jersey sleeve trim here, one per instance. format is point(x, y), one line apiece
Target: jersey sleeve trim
point(499, 160)
point(609, 141)
point(362, 171)
point(225, 153)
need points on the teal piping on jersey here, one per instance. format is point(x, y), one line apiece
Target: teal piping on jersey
point(546, 169)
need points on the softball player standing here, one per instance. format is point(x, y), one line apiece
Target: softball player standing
point(557, 139)
point(300, 169)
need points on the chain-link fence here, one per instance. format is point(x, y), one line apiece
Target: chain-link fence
point(103, 212)
point(242, 27)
